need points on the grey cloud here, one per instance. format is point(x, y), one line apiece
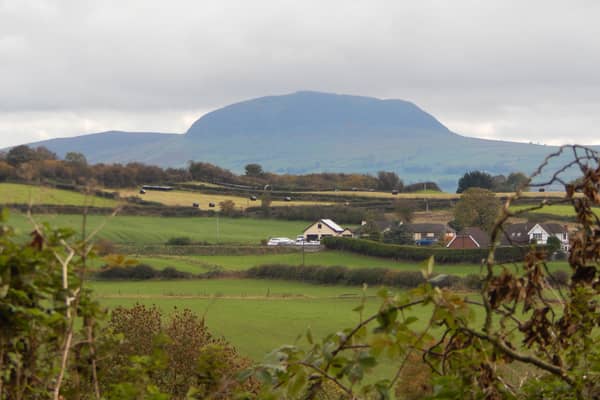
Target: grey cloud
point(470, 63)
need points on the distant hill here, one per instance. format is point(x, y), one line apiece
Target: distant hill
point(307, 132)
point(111, 146)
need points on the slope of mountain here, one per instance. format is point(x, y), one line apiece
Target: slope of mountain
point(111, 146)
point(311, 132)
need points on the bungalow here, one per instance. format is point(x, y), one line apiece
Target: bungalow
point(429, 233)
point(469, 238)
point(521, 234)
point(323, 228)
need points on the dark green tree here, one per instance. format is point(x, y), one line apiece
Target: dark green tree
point(254, 170)
point(387, 180)
point(43, 153)
point(553, 244)
point(477, 207)
point(478, 179)
point(75, 158)
point(20, 154)
point(517, 180)
point(404, 211)
point(398, 234)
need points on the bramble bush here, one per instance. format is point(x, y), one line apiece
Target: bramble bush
point(56, 342)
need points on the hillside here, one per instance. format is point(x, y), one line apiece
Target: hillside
point(111, 146)
point(312, 132)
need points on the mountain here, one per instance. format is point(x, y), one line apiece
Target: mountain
point(307, 132)
point(107, 147)
point(314, 114)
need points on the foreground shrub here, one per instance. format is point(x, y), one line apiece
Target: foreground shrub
point(188, 358)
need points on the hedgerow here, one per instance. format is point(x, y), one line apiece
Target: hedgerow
point(420, 253)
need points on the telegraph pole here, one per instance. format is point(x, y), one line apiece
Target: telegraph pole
point(218, 212)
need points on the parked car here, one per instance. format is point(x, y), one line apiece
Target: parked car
point(280, 241)
point(301, 242)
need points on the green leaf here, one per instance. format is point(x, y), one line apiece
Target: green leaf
point(387, 317)
point(383, 293)
point(309, 336)
point(242, 376)
point(297, 383)
point(366, 360)
point(359, 308)
point(427, 269)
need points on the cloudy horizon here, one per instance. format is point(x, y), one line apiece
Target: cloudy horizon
point(509, 70)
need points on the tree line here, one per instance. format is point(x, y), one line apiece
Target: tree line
point(33, 164)
point(29, 164)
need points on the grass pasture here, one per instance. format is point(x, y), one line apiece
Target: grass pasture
point(185, 198)
point(142, 230)
point(200, 264)
point(560, 210)
point(14, 193)
point(255, 315)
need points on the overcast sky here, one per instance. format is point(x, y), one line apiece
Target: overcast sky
point(517, 70)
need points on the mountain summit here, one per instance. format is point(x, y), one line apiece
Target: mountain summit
point(307, 132)
point(315, 114)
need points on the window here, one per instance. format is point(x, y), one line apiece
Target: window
point(537, 237)
point(319, 226)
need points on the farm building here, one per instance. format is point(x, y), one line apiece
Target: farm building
point(323, 228)
point(521, 234)
point(428, 233)
point(469, 238)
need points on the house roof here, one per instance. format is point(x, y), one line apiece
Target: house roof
point(332, 225)
point(519, 233)
point(482, 238)
point(428, 227)
point(383, 224)
point(554, 228)
point(461, 237)
point(516, 233)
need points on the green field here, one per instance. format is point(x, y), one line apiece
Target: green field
point(256, 316)
point(561, 210)
point(157, 230)
point(199, 264)
point(12, 193)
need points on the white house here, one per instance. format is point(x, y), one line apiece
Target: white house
point(323, 228)
point(527, 233)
